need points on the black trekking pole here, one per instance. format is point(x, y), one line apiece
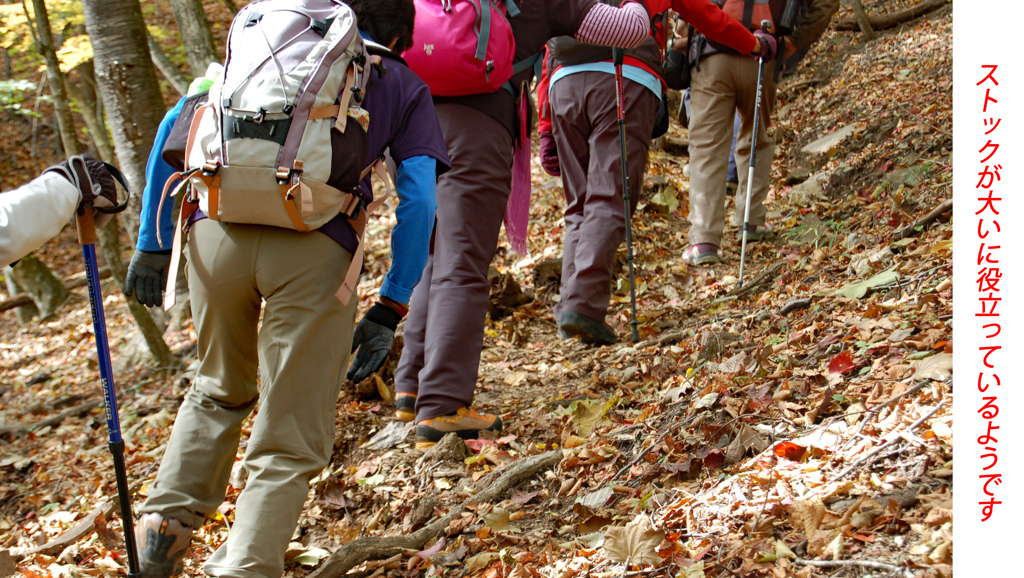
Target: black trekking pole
point(87, 238)
point(620, 105)
point(765, 27)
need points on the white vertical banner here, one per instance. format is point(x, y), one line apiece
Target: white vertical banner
point(988, 280)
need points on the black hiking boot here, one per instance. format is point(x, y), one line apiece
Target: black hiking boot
point(589, 330)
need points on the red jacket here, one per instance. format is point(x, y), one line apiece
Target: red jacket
point(710, 21)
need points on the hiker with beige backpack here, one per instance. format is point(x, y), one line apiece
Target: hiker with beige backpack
point(277, 194)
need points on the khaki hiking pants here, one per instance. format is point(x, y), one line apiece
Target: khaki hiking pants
point(302, 351)
point(727, 83)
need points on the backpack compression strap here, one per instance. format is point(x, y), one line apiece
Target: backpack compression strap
point(358, 222)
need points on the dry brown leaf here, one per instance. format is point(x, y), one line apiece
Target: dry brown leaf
point(635, 542)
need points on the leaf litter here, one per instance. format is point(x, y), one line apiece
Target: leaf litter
point(712, 448)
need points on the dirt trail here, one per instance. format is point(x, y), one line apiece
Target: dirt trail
point(729, 428)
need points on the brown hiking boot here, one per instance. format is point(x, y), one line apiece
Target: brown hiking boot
point(466, 423)
point(162, 543)
point(406, 405)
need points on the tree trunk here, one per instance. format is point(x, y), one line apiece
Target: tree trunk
point(97, 131)
point(195, 35)
point(862, 21)
point(166, 67)
point(46, 289)
point(111, 248)
point(128, 85)
point(54, 76)
point(25, 313)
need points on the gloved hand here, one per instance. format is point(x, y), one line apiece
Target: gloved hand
point(549, 154)
point(147, 276)
point(768, 46)
point(95, 180)
point(373, 337)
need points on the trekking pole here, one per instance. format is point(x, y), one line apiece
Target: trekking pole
point(765, 27)
point(620, 106)
point(87, 238)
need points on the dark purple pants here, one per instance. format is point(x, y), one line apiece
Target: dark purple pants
point(445, 328)
point(587, 134)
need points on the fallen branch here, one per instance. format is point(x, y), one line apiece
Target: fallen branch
point(359, 551)
point(910, 230)
point(848, 563)
point(76, 533)
point(53, 420)
point(749, 287)
point(871, 455)
point(883, 21)
point(794, 305)
point(72, 282)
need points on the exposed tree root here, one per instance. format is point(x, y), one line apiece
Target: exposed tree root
point(359, 551)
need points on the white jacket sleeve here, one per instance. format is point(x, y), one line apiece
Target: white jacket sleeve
point(35, 213)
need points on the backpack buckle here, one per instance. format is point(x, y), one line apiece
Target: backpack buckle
point(353, 207)
point(284, 175)
point(210, 169)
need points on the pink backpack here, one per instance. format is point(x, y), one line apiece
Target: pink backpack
point(463, 46)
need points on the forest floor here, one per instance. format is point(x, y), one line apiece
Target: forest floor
point(801, 426)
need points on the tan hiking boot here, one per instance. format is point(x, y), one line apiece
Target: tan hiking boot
point(162, 544)
point(406, 406)
point(466, 423)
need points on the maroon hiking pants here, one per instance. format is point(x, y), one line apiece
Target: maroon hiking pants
point(586, 131)
point(445, 328)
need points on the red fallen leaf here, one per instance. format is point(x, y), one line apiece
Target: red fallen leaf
point(477, 445)
point(524, 498)
point(790, 451)
point(506, 440)
point(842, 363)
point(714, 460)
point(948, 348)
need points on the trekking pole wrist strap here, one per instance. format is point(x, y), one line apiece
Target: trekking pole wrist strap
point(400, 308)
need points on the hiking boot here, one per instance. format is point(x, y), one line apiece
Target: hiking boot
point(703, 253)
point(730, 188)
point(162, 544)
point(589, 330)
point(466, 423)
point(406, 406)
point(563, 334)
point(756, 232)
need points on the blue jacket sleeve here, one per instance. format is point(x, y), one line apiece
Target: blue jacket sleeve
point(157, 173)
point(410, 239)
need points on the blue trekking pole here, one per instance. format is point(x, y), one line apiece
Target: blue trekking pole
point(765, 27)
point(87, 238)
point(620, 108)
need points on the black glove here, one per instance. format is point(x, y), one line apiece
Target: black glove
point(373, 338)
point(96, 181)
point(147, 276)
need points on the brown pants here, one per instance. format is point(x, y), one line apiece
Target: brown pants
point(302, 351)
point(727, 83)
point(445, 328)
point(586, 131)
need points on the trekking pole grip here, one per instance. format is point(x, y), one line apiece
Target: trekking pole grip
point(766, 26)
point(86, 227)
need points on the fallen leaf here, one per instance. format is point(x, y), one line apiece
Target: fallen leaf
point(312, 557)
point(635, 542)
point(481, 561)
point(595, 500)
point(859, 290)
point(937, 367)
point(499, 520)
point(842, 363)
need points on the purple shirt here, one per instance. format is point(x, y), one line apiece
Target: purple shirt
point(402, 119)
